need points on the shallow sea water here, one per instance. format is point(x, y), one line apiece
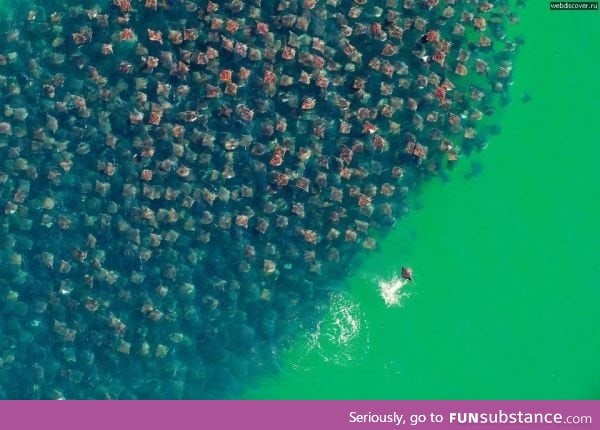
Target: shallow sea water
point(507, 282)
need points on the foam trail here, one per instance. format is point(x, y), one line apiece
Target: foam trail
point(391, 291)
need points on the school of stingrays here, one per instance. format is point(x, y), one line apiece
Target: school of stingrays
point(181, 179)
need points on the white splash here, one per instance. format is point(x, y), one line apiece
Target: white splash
point(391, 291)
point(341, 338)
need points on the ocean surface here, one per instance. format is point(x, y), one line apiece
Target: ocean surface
point(506, 298)
point(505, 254)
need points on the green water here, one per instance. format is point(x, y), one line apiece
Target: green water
point(507, 275)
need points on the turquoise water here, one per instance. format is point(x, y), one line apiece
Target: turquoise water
point(506, 293)
point(124, 275)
